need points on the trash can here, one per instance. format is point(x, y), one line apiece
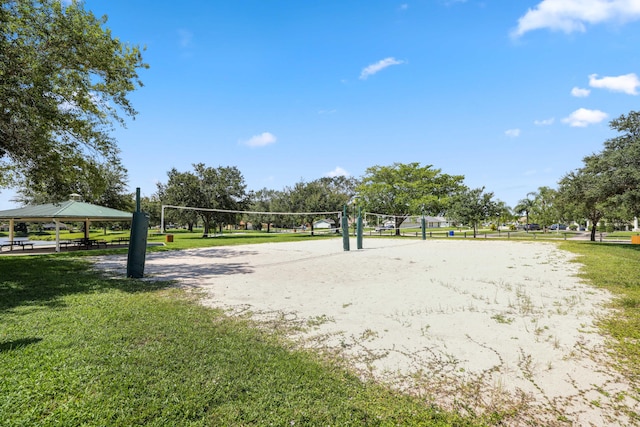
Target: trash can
point(451, 233)
point(169, 238)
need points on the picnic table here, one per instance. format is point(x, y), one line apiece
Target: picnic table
point(85, 243)
point(21, 243)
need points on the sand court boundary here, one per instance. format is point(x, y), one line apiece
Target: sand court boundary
point(476, 326)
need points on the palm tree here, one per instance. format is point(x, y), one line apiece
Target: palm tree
point(525, 205)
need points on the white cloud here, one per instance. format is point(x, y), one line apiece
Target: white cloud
point(627, 83)
point(404, 6)
point(512, 133)
point(338, 171)
point(579, 92)
point(333, 111)
point(261, 140)
point(545, 122)
point(379, 66)
point(572, 15)
point(583, 117)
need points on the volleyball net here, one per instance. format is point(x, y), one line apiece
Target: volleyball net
point(318, 222)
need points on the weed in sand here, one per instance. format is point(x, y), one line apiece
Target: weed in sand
point(501, 318)
point(316, 321)
point(424, 330)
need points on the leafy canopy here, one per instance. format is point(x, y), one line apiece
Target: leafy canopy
point(64, 80)
point(473, 207)
point(402, 189)
point(608, 185)
point(208, 188)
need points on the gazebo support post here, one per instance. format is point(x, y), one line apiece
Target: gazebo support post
point(57, 235)
point(11, 228)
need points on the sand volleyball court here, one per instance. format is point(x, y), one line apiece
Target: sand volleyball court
point(474, 325)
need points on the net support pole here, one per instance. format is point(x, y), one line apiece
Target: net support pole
point(345, 229)
point(359, 229)
point(137, 241)
point(424, 226)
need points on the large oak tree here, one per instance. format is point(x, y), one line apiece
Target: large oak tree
point(401, 189)
point(473, 207)
point(64, 81)
point(609, 181)
point(220, 188)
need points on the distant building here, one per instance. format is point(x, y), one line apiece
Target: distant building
point(430, 222)
point(324, 223)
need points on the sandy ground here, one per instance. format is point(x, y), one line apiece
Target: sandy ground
point(472, 325)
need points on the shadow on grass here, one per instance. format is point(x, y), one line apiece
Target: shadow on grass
point(17, 344)
point(44, 280)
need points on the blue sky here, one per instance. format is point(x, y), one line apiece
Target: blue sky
point(510, 94)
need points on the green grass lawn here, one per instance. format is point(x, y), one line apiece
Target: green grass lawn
point(77, 348)
point(616, 267)
point(187, 240)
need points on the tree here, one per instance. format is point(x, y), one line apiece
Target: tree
point(261, 201)
point(182, 189)
point(328, 194)
point(153, 207)
point(503, 213)
point(525, 206)
point(583, 194)
point(402, 189)
point(619, 163)
point(608, 185)
point(473, 207)
point(104, 185)
point(219, 188)
point(64, 80)
point(543, 206)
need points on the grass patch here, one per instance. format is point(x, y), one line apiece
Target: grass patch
point(80, 349)
point(186, 240)
point(615, 267)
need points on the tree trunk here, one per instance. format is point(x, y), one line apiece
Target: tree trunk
point(593, 232)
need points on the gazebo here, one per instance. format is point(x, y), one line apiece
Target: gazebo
point(70, 211)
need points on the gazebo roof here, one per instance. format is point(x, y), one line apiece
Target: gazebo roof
point(66, 211)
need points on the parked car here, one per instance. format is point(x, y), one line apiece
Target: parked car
point(385, 227)
point(557, 227)
point(533, 227)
